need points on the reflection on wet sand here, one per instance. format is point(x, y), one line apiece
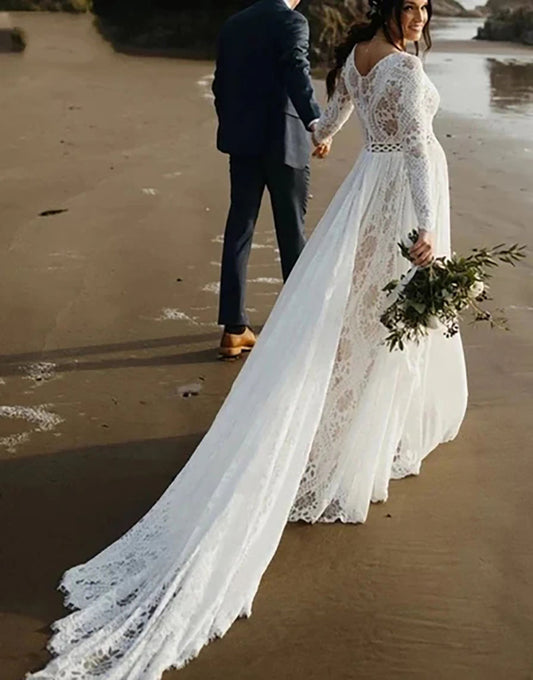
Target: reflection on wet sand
point(497, 90)
point(511, 85)
point(488, 81)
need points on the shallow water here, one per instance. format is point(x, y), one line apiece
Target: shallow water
point(494, 89)
point(449, 28)
point(482, 83)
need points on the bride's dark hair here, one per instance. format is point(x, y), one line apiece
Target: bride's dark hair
point(380, 15)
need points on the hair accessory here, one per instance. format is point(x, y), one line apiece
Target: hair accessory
point(375, 8)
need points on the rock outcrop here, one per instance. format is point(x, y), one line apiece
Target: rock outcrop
point(192, 29)
point(452, 8)
point(12, 38)
point(511, 20)
point(46, 5)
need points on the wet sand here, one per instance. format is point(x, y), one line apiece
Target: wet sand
point(108, 324)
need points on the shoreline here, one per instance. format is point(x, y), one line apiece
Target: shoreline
point(484, 47)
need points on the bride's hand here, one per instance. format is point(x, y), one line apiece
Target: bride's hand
point(422, 251)
point(322, 149)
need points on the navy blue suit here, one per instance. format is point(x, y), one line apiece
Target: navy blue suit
point(265, 103)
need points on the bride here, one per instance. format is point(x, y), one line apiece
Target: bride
point(322, 415)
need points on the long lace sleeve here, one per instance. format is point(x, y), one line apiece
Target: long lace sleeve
point(336, 113)
point(415, 132)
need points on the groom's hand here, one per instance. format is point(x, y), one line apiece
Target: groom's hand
point(322, 149)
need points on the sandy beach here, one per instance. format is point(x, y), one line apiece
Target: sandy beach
point(109, 377)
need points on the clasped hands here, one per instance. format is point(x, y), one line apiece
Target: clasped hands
point(323, 148)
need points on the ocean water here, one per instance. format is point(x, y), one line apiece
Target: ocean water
point(444, 28)
point(484, 83)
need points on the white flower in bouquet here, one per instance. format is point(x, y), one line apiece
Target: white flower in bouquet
point(476, 289)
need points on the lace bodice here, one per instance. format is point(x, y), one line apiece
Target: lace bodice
point(396, 103)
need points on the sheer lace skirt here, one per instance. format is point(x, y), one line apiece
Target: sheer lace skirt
point(384, 412)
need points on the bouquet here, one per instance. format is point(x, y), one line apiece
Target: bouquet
point(435, 297)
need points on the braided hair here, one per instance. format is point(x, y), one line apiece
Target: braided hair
point(379, 16)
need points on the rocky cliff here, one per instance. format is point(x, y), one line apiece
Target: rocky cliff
point(509, 20)
point(193, 27)
point(452, 8)
point(12, 38)
point(190, 27)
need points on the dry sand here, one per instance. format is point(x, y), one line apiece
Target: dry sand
point(108, 317)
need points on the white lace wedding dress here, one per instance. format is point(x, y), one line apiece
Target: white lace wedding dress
point(320, 418)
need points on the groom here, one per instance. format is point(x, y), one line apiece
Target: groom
point(266, 110)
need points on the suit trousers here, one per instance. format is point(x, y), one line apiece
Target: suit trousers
point(288, 188)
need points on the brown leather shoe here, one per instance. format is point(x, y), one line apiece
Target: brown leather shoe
point(233, 344)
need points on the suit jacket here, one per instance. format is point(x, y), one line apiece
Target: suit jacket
point(263, 93)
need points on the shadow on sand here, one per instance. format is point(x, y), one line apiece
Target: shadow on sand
point(58, 510)
point(78, 358)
